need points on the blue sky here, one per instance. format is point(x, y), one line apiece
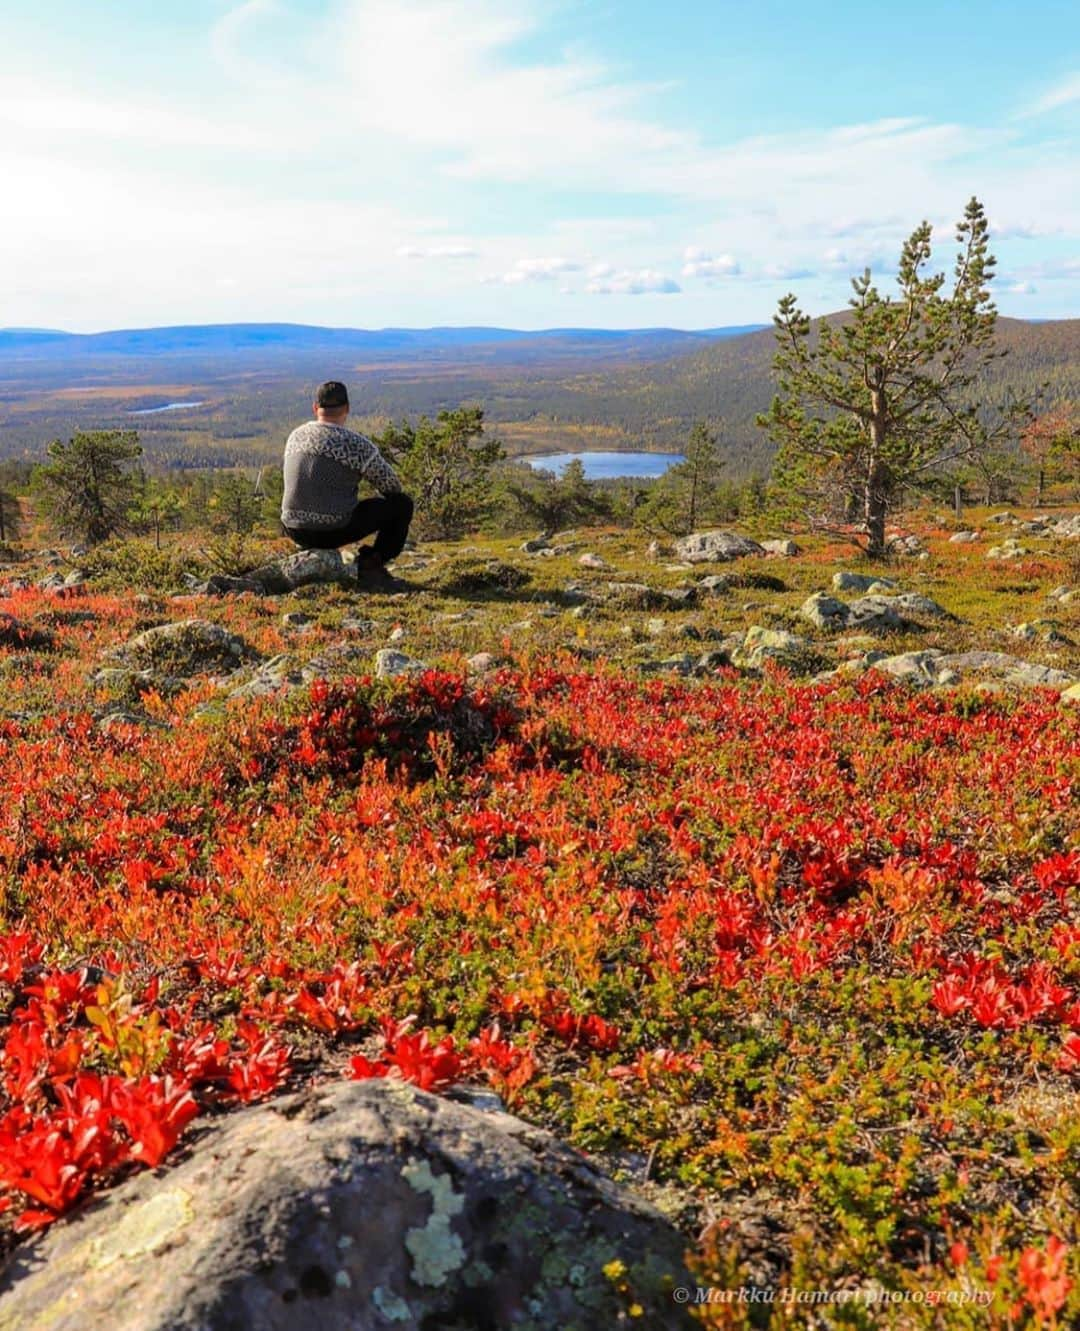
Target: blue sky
point(529, 163)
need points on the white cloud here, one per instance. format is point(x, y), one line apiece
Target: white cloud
point(1061, 94)
point(436, 252)
point(1022, 289)
point(699, 263)
point(625, 282)
point(538, 270)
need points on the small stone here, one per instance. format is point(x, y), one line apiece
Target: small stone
point(389, 663)
point(480, 662)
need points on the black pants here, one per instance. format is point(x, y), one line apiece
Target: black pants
point(388, 516)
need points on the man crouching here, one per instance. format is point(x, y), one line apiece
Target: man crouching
point(319, 507)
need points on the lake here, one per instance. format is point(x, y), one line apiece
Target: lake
point(601, 466)
point(169, 406)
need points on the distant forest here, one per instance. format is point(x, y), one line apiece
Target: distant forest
point(566, 389)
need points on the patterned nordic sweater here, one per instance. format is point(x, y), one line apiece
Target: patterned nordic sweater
point(323, 464)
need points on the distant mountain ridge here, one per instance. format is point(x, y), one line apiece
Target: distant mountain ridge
point(289, 338)
point(551, 390)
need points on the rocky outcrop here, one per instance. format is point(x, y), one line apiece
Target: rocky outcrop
point(935, 668)
point(875, 612)
point(189, 647)
point(704, 547)
point(359, 1206)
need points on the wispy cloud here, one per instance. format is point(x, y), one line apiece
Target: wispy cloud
point(436, 252)
point(1063, 93)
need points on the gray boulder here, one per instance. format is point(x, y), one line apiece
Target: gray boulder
point(1030, 676)
point(921, 669)
point(592, 560)
point(761, 644)
point(786, 549)
point(874, 613)
point(825, 611)
point(302, 569)
point(224, 583)
point(389, 662)
point(705, 547)
point(914, 603)
point(189, 647)
point(963, 537)
point(862, 582)
point(355, 1207)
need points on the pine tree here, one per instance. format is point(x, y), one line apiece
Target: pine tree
point(688, 492)
point(156, 508)
point(553, 502)
point(235, 505)
point(882, 400)
point(88, 487)
point(446, 465)
point(10, 515)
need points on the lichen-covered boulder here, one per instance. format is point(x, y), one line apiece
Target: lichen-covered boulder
point(188, 647)
point(301, 570)
point(762, 644)
point(362, 1206)
point(873, 613)
point(702, 547)
point(390, 662)
point(825, 611)
point(921, 669)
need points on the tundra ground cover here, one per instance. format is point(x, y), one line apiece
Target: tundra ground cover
point(801, 959)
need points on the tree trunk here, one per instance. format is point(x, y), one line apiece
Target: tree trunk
point(876, 498)
point(958, 501)
point(1039, 489)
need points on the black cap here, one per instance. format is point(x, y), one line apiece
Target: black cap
point(331, 394)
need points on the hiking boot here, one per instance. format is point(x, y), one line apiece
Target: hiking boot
point(372, 573)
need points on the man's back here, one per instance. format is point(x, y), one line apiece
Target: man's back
point(323, 464)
